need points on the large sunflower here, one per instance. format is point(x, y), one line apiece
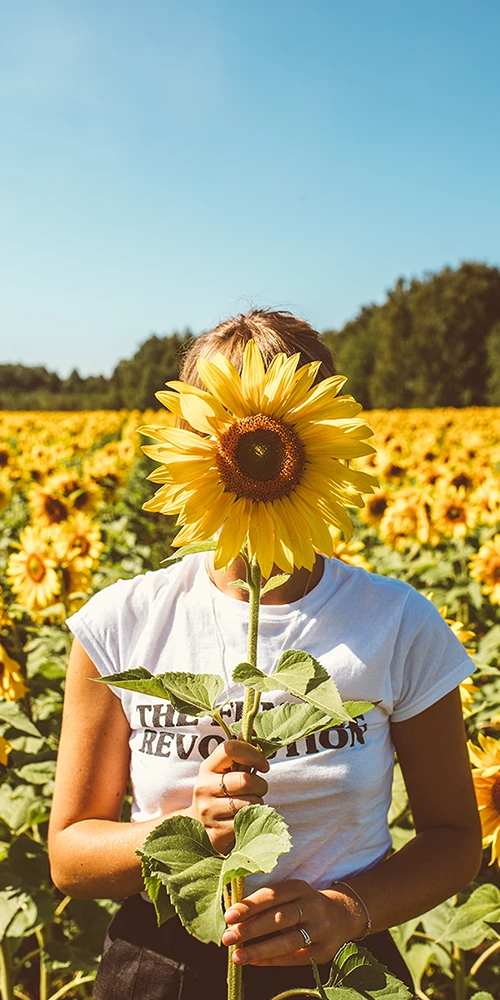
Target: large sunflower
point(266, 464)
point(486, 777)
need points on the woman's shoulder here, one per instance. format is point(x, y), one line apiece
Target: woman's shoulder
point(132, 595)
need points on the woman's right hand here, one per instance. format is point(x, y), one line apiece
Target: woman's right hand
point(215, 809)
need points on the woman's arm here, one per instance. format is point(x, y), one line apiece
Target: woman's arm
point(91, 853)
point(443, 857)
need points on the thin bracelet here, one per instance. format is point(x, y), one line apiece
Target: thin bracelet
point(363, 904)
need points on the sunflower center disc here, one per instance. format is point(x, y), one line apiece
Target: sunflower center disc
point(36, 568)
point(495, 795)
point(260, 458)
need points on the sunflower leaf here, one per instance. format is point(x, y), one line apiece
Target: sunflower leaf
point(278, 727)
point(240, 585)
point(189, 550)
point(178, 853)
point(355, 971)
point(273, 582)
point(468, 927)
point(139, 679)
point(301, 675)
point(191, 694)
point(190, 868)
point(261, 836)
point(11, 712)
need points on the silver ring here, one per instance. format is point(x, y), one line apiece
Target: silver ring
point(299, 909)
point(223, 786)
point(305, 935)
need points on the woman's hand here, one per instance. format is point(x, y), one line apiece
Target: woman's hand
point(328, 918)
point(216, 808)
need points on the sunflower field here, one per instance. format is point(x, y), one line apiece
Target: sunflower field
point(72, 487)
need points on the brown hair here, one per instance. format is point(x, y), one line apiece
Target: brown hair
point(273, 332)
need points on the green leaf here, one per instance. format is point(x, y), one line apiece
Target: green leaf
point(261, 836)
point(11, 712)
point(10, 903)
point(468, 927)
point(277, 727)
point(355, 708)
point(179, 853)
point(189, 550)
point(190, 868)
point(355, 971)
point(36, 910)
point(418, 958)
point(193, 694)
point(482, 995)
point(139, 679)
point(37, 772)
point(29, 861)
point(273, 582)
point(240, 585)
point(15, 804)
point(158, 892)
point(399, 795)
point(301, 675)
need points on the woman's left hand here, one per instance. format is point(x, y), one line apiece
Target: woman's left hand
point(329, 920)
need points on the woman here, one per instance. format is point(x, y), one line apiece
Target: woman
point(379, 639)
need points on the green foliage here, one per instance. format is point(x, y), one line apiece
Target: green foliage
point(132, 384)
point(179, 854)
point(433, 342)
point(301, 675)
point(355, 973)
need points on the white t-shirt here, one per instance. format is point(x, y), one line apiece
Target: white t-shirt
point(379, 639)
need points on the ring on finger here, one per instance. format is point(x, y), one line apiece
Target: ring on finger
point(232, 806)
point(297, 904)
point(305, 935)
point(223, 786)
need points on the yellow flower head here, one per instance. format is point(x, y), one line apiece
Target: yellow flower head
point(265, 465)
point(485, 567)
point(31, 573)
point(407, 519)
point(12, 686)
point(349, 552)
point(486, 777)
point(77, 540)
point(453, 513)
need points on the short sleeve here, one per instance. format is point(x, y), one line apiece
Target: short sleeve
point(428, 660)
point(97, 626)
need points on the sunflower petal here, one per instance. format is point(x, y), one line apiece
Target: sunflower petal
point(252, 376)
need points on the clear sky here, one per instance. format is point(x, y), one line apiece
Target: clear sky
point(166, 163)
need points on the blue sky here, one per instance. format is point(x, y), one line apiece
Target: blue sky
point(164, 164)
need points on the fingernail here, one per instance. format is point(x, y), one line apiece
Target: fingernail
point(229, 937)
point(239, 957)
point(231, 914)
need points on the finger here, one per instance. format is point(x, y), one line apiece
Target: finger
point(266, 898)
point(269, 922)
point(236, 752)
point(241, 783)
point(228, 807)
point(277, 947)
point(296, 958)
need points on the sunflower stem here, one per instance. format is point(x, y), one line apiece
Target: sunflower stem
point(250, 709)
point(252, 697)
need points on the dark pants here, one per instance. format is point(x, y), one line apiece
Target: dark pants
point(142, 961)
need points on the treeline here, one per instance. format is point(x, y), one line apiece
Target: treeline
point(132, 385)
point(433, 342)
